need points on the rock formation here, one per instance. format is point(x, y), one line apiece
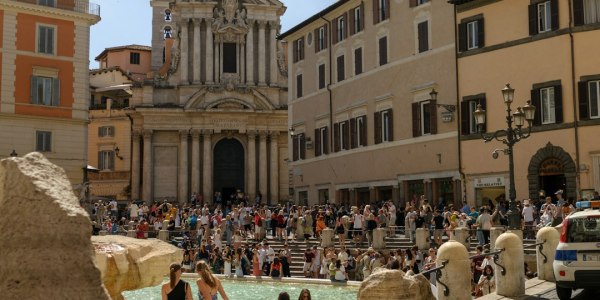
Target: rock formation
point(44, 234)
point(394, 285)
point(130, 264)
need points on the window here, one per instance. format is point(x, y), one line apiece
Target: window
point(381, 10)
point(471, 33)
point(467, 108)
point(168, 17)
point(358, 132)
point(356, 19)
point(43, 141)
point(50, 3)
point(414, 3)
point(299, 86)
point(424, 115)
point(104, 131)
point(543, 16)
point(341, 29)
point(384, 126)
point(358, 61)
point(45, 91)
point(547, 98)
point(341, 73)
point(423, 36)
point(229, 58)
point(383, 59)
point(106, 160)
point(45, 39)
point(321, 141)
point(341, 136)
point(167, 32)
point(589, 99)
point(321, 76)
point(321, 34)
point(586, 12)
point(298, 49)
point(134, 58)
point(299, 144)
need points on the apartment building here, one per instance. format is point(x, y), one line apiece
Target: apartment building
point(372, 103)
point(44, 80)
point(109, 134)
point(548, 51)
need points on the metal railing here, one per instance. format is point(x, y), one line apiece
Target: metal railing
point(496, 257)
point(540, 247)
point(80, 6)
point(438, 275)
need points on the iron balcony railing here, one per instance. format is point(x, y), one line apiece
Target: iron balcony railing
point(80, 6)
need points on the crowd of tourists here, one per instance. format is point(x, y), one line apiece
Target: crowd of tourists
point(230, 237)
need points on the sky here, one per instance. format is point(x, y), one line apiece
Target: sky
point(126, 22)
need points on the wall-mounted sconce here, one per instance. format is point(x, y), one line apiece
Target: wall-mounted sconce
point(448, 115)
point(14, 153)
point(117, 153)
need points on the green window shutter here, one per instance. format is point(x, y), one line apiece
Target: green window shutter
point(533, 18)
point(302, 146)
point(377, 127)
point(55, 101)
point(416, 119)
point(33, 90)
point(353, 134)
point(317, 142)
point(558, 105)
point(537, 102)
point(326, 141)
point(578, 12)
point(465, 124)
point(363, 134)
point(480, 33)
point(390, 125)
point(554, 14)
point(375, 11)
point(111, 160)
point(336, 137)
point(462, 37)
point(584, 111)
point(433, 118)
point(295, 153)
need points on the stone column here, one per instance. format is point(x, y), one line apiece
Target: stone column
point(495, 232)
point(209, 53)
point(195, 160)
point(378, 238)
point(250, 54)
point(217, 61)
point(135, 164)
point(197, 63)
point(372, 194)
point(262, 162)
point(352, 196)
point(182, 173)
point(462, 235)
point(549, 236)
point(327, 238)
point(207, 164)
point(147, 193)
point(183, 64)
point(457, 258)
point(396, 196)
point(262, 53)
point(242, 59)
point(131, 229)
point(423, 238)
point(273, 52)
point(512, 283)
point(274, 172)
point(300, 229)
point(251, 159)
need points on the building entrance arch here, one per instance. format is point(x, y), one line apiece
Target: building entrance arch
point(552, 169)
point(228, 164)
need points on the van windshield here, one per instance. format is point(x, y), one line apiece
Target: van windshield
point(584, 230)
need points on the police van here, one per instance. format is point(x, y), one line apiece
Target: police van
point(577, 260)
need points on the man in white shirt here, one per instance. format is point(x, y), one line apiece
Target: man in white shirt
point(392, 213)
point(357, 227)
point(262, 255)
point(270, 257)
point(528, 218)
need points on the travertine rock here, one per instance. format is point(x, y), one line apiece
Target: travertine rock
point(130, 264)
point(394, 285)
point(46, 251)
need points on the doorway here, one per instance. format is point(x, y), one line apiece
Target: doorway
point(552, 183)
point(228, 167)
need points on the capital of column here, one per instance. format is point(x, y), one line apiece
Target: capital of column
point(261, 24)
point(147, 133)
point(183, 134)
point(274, 133)
point(263, 134)
point(207, 132)
point(136, 134)
point(195, 133)
point(273, 24)
point(197, 21)
point(251, 134)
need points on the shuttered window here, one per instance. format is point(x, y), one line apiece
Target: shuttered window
point(358, 61)
point(471, 34)
point(586, 12)
point(341, 70)
point(423, 36)
point(321, 141)
point(321, 36)
point(383, 59)
point(298, 49)
point(299, 144)
point(467, 119)
point(381, 10)
point(106, 160)
point(547, 99)
point(105, 131)
point(357, 16)
point(43, 141)
point(321, 76)
point(543, 16)
point(299, 86)
point(358, 132)
point(46, 39)
point(45, 91)
point(589, 99)
point(424, 118)
point(384, 126)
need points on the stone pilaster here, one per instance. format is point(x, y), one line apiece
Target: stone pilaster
point(182, 174)
point(250, 54)
point(207, 181)
point(273, 53)
point(209, 52)
point(135, 164)
point(274, 172)
point(197, 63)
point(262, 53)
point(183, 45)
point(251, 159)
point(195, 161)
point(148, 163)
point(262, 161)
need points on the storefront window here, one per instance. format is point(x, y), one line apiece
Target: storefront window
point(445, 191)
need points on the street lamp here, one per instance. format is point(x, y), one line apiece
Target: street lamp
point(14, 153)
point(509, 136)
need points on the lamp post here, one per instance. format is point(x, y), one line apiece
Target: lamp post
point(14, 153)
point(509, 136)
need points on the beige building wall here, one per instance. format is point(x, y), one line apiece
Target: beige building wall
point(512, 55)
point(387, 170)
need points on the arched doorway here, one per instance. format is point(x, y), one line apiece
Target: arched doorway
point(552, 169)
point(228, 167)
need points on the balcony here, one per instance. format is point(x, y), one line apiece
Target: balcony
point(80, 6)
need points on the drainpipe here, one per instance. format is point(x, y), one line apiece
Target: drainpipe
point(329, 46)
point(574, 96)
point(463, 177)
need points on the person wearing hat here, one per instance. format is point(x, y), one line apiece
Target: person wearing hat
point(528, 217)
point(560, 201)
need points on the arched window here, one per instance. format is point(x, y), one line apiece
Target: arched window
point(168, 15)
point(167, 32)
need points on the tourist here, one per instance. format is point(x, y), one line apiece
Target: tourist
point(304, 295)
point(486, 284)
point(340, 272)
point(237, 263)
point(285, 256)
point(283, 296)
point(187, 263)
point(227, 261)
point(256, 271)
point(308, 262)
point(280, 225)
point(208, 284)
point(176, 289)
point(358, 221)
point(438, 231)
point(528, 213)
point(276, 268)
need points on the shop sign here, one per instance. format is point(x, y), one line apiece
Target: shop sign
point(489, 182)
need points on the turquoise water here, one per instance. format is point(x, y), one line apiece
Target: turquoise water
point(251, 290)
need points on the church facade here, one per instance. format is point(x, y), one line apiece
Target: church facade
point(212, 115)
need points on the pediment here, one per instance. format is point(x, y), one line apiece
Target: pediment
point(249, 99)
